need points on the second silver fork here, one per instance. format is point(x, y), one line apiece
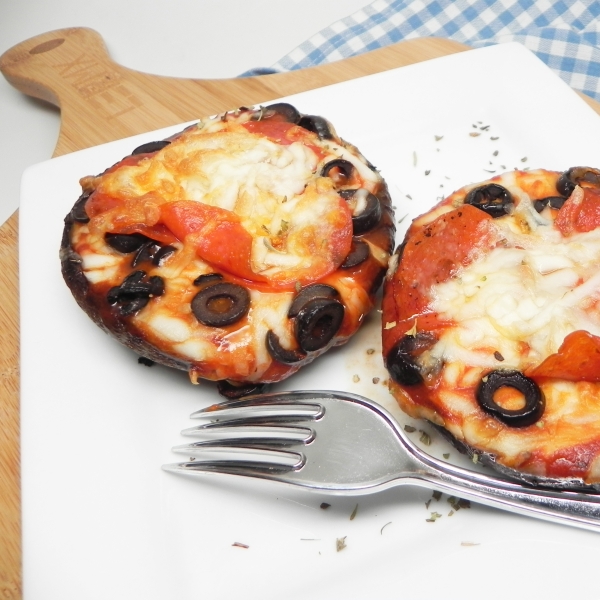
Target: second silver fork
point(340, 443)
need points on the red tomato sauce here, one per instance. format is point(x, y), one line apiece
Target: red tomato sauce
point(285, 133)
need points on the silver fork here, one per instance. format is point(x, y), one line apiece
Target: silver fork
point(341, 443)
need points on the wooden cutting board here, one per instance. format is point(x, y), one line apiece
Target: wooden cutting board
point(101, 101)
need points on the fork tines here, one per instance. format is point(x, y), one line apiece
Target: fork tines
point(271, 406)
point(254, 433)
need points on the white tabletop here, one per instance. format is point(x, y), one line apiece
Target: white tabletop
point(182, 38)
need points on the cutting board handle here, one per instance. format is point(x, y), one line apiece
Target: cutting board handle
point(101, 101)
point(55, 63)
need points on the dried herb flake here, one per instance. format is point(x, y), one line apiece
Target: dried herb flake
point(425, 438)
point(458, 503)
point(434, 517)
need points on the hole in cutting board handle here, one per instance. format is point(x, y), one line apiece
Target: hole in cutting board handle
point(47, 46)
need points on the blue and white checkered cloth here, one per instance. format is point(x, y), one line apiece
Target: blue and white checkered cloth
point(565, 34)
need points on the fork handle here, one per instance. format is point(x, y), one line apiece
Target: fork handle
point(566, 507)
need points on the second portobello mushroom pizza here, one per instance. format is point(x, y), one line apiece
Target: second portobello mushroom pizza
point(491, 323)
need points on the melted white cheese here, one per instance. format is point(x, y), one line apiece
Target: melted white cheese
point(273, 188)
point(521, 300)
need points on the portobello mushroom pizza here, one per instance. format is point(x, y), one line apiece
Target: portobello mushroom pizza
point(238, 250)
point(491, 323)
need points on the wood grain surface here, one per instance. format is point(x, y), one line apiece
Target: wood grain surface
point(101, 101)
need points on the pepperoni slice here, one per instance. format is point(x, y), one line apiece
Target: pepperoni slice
point(439, 249)
point(580, 213)
point(577, 359)
point(218, 235)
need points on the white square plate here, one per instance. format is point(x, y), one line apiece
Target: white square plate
point(101, 520)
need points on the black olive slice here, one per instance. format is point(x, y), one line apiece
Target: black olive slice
point(134, 285)
point(207, 278)
point(314, 290)
point(131, 287)
point(112, 296)
point(157, 286)
point(162, 254)
point(359, 252)
point(134, 293)
point(130, 283)
point(400, 361)
point(322, 127)
point(576, 175)
point(281, 354)
point(235, 390)
point(318, 322)
point(551, 201)
point(133, 306)
point(492, 198)
point(78, 211)
point(126, 242)
point(287, 111)
point(221, 304)
point(533, 408)
point(369, 216)
point(150, 147)
point(345, 167)
point(146, 252)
